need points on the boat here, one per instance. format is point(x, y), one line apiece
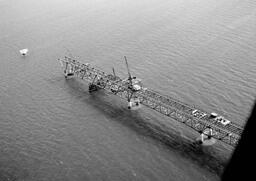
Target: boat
point(24, 52)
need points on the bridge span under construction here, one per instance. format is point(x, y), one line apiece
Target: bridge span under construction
point(210, 126)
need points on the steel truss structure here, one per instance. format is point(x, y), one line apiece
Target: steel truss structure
point(175, 109)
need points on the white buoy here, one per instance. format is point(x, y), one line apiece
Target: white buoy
point(24, 52)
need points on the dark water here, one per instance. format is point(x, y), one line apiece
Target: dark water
point(202, 52)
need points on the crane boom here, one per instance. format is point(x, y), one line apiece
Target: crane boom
point(114, 73)
point(129, 74)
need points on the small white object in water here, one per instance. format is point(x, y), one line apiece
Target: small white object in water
point(24, 51)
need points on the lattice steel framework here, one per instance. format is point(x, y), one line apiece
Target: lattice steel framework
point(229, 134)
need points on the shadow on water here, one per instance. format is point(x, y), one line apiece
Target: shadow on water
point(204, 156)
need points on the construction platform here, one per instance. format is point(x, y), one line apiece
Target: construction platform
point(131, 89)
